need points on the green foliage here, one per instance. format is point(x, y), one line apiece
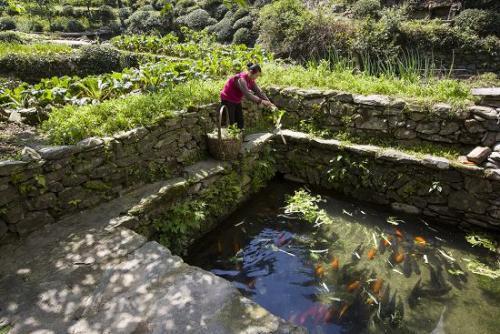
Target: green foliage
point(347, 171)
point(10, 37)
point(481, 239)
point(7, 23)
point(366, 8)
point(337, 76)
point(74, 25)
point(106, 14)
point(29, 49)
point(181, 223)
point(263, 169)
point(147, 22)
point(242, 36)
point(305, 204)
point(197, 19)
point(281, 24)
point(72, 124)
point(482, 22)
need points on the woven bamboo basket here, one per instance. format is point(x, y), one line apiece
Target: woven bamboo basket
point(221, 145)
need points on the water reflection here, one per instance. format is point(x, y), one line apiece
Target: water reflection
point(368, 272)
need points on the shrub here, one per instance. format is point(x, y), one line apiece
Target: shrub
point(240, 13)
point(281, 25)
point(10, 37)
point(59, 24)
point(143, 22)
point(244, 22)
point(366, 8)
point(36, 26)
point(223, 30)
point(219, 12)
point(482, 22)
point(184, 7)
point(74, 26)
point(7, 23)
point(124, 13)
point(197, 19)
point(106, 14)
point(68, 11)
point(242, 36)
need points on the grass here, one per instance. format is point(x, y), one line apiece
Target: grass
point(324, 76)
point(38, 49)
point(71, 124)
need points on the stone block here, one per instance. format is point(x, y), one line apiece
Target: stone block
point(428, 128)
point(57, 152)
point(477, 185)
point(28, 154)
point(406, 208)
point(13, 213)
point(496, 147)
point(8, 167)
point(474, 126)
point(3, 228)
point(372, 100)
point(464, 201)
point(33, 221)
point(90, 143)
point(448, 128)
point(484, 112)
point(479, 154)
point(42, 202)
point(495, 156)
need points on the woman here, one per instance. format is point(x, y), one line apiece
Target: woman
point(239, 86)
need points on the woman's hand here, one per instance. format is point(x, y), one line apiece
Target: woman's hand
point(268, 104)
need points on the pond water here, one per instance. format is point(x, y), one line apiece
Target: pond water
point(359, 274)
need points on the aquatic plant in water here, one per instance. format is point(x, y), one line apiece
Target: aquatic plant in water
point(306, 205)
point(479, 239)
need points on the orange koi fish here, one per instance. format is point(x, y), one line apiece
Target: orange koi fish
point(387, 241)
point(399, 234)
point(320, 271)
point(371, 253)
point(353, 286)
point(377, 286)
point(420, 241)
point(399, 257)
point(343, 310)
point(335, 263)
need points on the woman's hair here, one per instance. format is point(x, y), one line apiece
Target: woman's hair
point(253, 68)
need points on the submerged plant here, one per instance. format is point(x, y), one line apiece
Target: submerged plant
point(305, 204)
point(480, 239)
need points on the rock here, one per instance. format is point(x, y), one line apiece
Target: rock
point(477, 185)
point(57, 152)
point(372, 100)
point(496, 147)
point(8, 195)
point(479, 154)
point(29, 116)
point(489, 139)
point(42, 202)
point(90, 143)
point(436, 162)
point(474, 126)
point(428, 127)
point(33, 221)
point(29, 154)
point(495, 156)
point(464, 201)
point(132, 136)
point(405, 134)
point(13, 213)
point(373, 124)
point(406, 208)
point(3, 228)
point(484, 112)
point(448, 128)
point(8, 167)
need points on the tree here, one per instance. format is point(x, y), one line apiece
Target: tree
point(45, 7)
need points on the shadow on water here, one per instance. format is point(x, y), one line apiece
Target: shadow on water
point(360, 274)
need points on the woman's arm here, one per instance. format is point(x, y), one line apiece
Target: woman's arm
point(246, 92)
point(260, 93)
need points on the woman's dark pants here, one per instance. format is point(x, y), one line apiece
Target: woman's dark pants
point(235, 113)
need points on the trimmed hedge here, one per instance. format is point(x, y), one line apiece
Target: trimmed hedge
point(88, 60)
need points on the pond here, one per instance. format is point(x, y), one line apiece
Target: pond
point(369, 271)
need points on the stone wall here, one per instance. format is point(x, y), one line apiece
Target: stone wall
point(392, 118)
point(59, 180)
point(450, 192)
point(377, 117)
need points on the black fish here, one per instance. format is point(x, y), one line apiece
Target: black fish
point(438, 285)
point(356, 254)
point(407, 267)
point(415, 294)
point(415, 266)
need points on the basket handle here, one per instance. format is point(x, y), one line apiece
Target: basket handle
point(219, 124)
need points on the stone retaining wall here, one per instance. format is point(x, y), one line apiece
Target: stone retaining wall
point(59, 180)
point(379, 116)
point(450, 192)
